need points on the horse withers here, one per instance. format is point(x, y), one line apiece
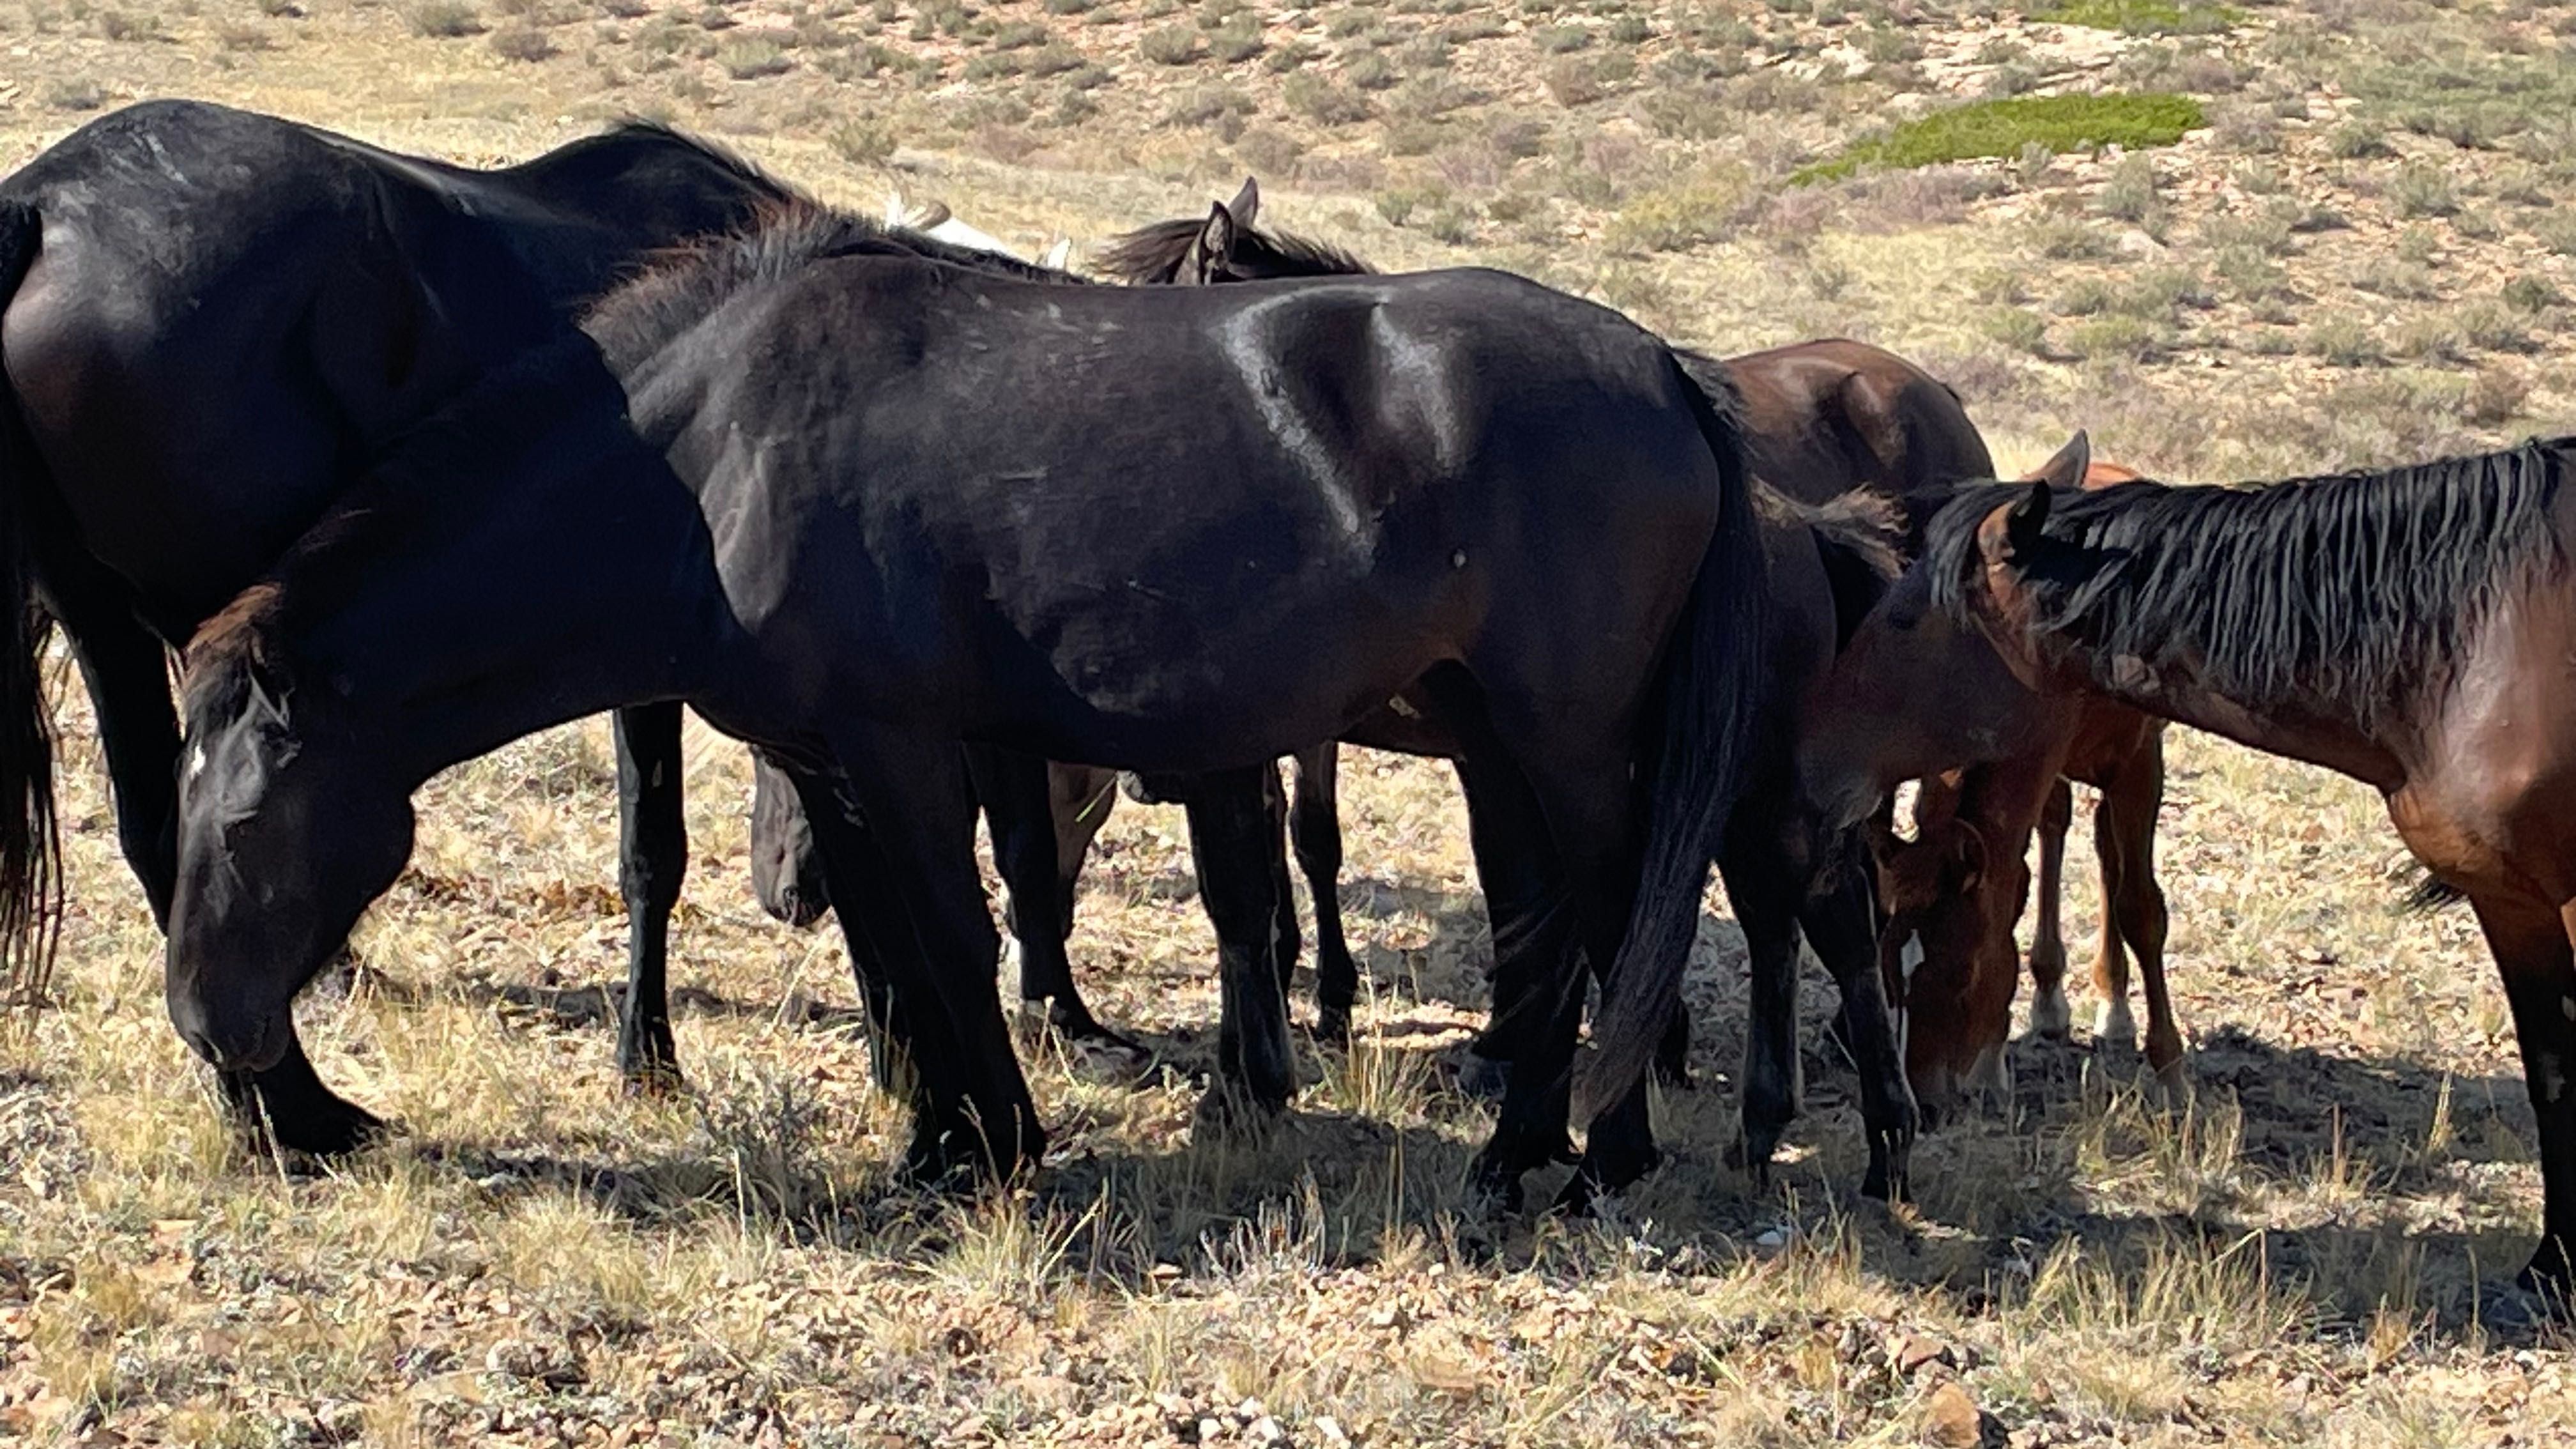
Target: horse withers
point(2409, 627)
point(859, 505)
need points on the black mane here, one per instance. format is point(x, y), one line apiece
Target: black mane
point(2332, 591)
point(1153, 253)
point(680, 286)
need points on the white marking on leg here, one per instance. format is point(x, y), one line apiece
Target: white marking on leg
point(2113, 1024)
point(2567, 1007)
point(196, 762)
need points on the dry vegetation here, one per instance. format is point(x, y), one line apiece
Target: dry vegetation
point(2362, 257)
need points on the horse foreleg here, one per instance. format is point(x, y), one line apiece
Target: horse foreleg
point(2531, 946)
point(653, 857)
point(1841, 923)
point(899, 855)
point(1315, 828)
point(288, 1108)
point(2050, 1016)
point(1015, 790)
point(2133, 900)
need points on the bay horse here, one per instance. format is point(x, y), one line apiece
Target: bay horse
point(1954, 892)
point(2409, 627)
point(858, 502)
point(208, 319)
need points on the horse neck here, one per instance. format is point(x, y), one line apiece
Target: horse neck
point(579, 579)
point(2369, 751)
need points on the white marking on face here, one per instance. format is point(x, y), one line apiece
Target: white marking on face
point(1909, 958)
point(196, 762)
point(2567, 1007)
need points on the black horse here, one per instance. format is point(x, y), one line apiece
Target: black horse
point(856, 505)
point(1834, 417)
point(208, 320)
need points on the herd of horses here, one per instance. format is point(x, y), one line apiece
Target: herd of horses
point(412, 460)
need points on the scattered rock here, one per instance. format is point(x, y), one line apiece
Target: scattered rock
point(1950, 1418)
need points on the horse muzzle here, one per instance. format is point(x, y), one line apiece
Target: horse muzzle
point(232, 1041)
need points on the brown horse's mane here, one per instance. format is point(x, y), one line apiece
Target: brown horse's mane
point(1153, 253)
point(2336, 591)
point(680, 286)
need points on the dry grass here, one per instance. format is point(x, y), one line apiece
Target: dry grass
point(2287, 1257)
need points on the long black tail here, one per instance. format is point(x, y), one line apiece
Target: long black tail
point(1714, 676)
point(31, 877)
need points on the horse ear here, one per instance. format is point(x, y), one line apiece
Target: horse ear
point(1247, 203)
point(2026, 524)
point(1210, 250)
point(2066, 469)
point(1967, 848)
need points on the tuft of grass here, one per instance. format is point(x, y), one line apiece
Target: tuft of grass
point(75, 93)
point(861, 143)
point(2002, 128)
point(1324, 103)
point(2420, 189)
point(754, 56)
point(2143, 17)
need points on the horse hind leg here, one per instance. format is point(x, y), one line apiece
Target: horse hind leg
point(1015, 791)
point(2050, 1015)
point(1315, 829)
point(288, 1109)
point(2113, 1024)
point(1764, 908)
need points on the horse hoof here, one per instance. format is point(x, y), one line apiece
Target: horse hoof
point(1574, 1200)
point(334, 1132)
point(1484, 1078)
point(2522, 1308)
point(1235, 1110)
point(653, 1081)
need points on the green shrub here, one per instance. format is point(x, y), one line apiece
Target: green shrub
point(2345, 342)
point(2003, 127)
point(2143, 17)
point(1687, 213)
point(1170, 45)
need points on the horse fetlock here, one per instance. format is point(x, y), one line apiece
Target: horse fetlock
point(2051, 1016)
point(2114, 1026)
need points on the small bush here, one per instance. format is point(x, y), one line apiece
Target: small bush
point(1371, 71)
point(1236, 41)
point(2495, 397)
point(2431, 338)
point(1019, 35)
point(2251, 275)
point(1171, 45)
point(2116, 339)
point(2003, 127)
point(444, 19)
point(2018, 328)
point(1323, 102)
point(2357, 141)
point(2532, 293)
point(2131, 193)
point(1562, 39)
point(2492, 327)
point(75, 93)
point(2419, 190)
point(862, 143)
point(1687, 213)
point(523, 43)
point(1290, 56)
point(2069, 241)
point(754, 56)
point(2345, 342)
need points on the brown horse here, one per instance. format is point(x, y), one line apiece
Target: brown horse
point(2410, 628)
point(1954, 891)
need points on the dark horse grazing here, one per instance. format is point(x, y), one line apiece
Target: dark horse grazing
point(208, 319)
point(857, 506)
point(2410, 628)
point(1954, 892)
point(1828, 418)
